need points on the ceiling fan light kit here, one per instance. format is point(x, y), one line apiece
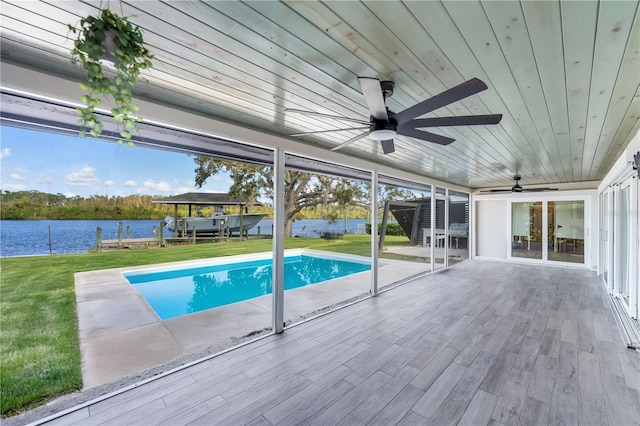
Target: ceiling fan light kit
point(385, 125)
point(382, 134)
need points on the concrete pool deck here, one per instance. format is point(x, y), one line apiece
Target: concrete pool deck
point(120, 334)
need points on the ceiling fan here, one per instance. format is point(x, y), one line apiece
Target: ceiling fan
point(383, 125)
point(517, 188)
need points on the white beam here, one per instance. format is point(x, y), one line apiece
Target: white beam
point(42, 85)
point(374, 233)
point(277, 279)
point(446, 228)
point(433, 228)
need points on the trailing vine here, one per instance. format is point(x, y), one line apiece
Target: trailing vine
point(102, 39)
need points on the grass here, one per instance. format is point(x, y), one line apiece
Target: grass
point(39, 344)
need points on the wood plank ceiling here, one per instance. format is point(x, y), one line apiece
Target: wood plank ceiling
point(565, 75)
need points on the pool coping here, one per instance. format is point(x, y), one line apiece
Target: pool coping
point(120, 333)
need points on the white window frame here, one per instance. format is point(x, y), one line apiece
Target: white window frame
point(631, 249)
point(545, 199)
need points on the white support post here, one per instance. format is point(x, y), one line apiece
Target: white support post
point(610, 235)
point(545, 231)
point(446, 228)
point(433, 228)
point(374, 233)
point(277, 283)
point(471, 241)
point(616, 259)
point(634, 247)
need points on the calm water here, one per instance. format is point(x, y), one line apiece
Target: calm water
point(181, 292)
point(31, 237)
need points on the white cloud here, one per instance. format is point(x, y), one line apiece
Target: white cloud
point(83, 177)
point(18, 174)
point(184, 189)
point(109, 182)
point(44, 179)
point(130, 183)
point(5, 152)
point(12, 187)
point(162, 186)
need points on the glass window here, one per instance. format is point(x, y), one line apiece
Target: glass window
point(458, 227)
point(604, 237)
point(405, 225)
point(526, 230)
point(623, 241)
point(566, 231)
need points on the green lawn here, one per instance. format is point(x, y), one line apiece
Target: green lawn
point(40, 354)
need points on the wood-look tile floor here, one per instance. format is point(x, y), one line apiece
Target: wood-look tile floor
point(482, 343)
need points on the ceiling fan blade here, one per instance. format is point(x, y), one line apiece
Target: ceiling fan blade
point(461, 91)
point(388, 146)
point(328, 131)
point(350, 141)
point(319, 114)
point(463, 120)
point(538, 189)
point(372, 92)
point(496, 190)
point(425, 136)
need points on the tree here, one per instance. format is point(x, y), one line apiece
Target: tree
point(302, 190)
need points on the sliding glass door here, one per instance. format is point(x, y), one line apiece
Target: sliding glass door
point(548, 230)
point(566, 231)
point(620, 242)
point(604, 237)
point(623, 244)
point(526, 230)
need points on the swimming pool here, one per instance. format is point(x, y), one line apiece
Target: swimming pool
point(176, 292)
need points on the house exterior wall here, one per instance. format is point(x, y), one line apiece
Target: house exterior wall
point(490, 216)
point(503, 220)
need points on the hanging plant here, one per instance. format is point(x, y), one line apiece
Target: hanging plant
point(109, 41)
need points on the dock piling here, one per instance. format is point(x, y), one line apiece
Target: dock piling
point(99, 239)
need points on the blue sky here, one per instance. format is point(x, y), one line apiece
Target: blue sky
point(73, 166)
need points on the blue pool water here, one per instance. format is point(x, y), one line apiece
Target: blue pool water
point(179, 292)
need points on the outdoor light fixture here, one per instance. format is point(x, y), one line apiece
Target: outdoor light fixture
point(383, 134)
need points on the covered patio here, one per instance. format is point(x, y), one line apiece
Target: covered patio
point(503, 338)
point(480, 343)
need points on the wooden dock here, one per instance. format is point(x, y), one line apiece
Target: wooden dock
point(160, 241)
point(137, 243)
point(128, 243)
point(208, 238)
